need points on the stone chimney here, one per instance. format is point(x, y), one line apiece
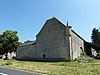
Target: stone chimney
point(68, 30)
point(68, 41)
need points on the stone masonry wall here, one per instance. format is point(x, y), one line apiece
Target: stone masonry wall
point(77, 45)
point(51, 42)
point(68, 41)
point(26, 52)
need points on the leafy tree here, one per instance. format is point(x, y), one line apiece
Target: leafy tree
point(1, 45)
point(9, 41)
point(95, 37)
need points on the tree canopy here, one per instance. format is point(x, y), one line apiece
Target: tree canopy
point(8, 41)
point(95, 37)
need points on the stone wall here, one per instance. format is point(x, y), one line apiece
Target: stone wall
point(68, 41)
point(26, 52)
point(51, 42)
point(77, 45)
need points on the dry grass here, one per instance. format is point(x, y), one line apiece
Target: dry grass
point(55, 68)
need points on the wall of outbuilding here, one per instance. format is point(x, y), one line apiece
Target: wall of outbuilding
point(77, 45)
point(26, 52)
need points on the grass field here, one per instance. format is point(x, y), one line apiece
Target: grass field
point(55, 68)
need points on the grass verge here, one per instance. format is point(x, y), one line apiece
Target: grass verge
point(55, 68)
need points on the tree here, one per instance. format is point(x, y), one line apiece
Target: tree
point(9, 41)
point(27, 41)
point(95, 37)
point(1, 45)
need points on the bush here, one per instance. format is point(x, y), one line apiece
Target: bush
point(83, 58)
point(98, 55)
point(82, 54)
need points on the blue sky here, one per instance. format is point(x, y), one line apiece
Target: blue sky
point(28, 16)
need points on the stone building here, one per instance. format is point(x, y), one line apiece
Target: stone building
point(26, 51)
point(54, 42)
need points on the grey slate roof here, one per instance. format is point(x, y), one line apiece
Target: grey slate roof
point(29, 43)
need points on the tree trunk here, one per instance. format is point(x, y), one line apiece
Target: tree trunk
point(6, 55)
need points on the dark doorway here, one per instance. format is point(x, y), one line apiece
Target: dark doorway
point(44, 55)
point(81, 49)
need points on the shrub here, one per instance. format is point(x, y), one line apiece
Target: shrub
point(98, 55)
point(82, 54)
point(83, 58)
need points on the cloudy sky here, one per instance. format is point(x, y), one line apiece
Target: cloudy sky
point(28, 16)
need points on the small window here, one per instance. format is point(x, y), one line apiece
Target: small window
point(43, 55)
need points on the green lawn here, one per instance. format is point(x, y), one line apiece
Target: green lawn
point(55, 68)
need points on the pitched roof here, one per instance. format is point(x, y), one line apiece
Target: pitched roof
point(55, 19)
point(92, 45)
point(78, 35)
point(29, 43)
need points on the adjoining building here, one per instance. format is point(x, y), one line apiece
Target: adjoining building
point(26, 51)
point(54, 42)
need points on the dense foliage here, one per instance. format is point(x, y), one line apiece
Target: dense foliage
point(8, 41)
point(95, 37)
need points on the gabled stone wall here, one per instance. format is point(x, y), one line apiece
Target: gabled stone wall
point(51, 42)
